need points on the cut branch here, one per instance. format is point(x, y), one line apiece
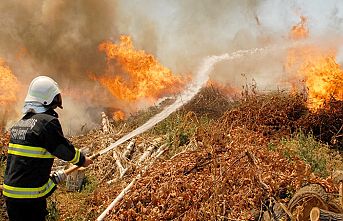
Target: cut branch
point(122, 170)
point(146, 154)
point(129, 149)
point(105, 123)
point(160, 151)
point(324, 215)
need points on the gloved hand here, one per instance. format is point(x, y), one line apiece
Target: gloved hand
point(58, 176)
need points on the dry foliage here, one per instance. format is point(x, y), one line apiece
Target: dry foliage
point(226, 170)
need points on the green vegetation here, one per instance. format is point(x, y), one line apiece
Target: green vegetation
point(52, 210)
point(320, 157)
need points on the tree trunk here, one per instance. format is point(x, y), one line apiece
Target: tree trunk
point(324, 215)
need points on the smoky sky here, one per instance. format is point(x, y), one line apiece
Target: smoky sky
point(59, 38)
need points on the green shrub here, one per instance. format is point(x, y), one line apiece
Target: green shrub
point(319, 156)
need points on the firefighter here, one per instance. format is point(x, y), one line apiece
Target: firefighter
point(34, 142)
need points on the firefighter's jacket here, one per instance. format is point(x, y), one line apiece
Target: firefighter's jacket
point(35, 140)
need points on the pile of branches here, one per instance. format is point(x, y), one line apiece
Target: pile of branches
point(229, 176)
point(232, 173)
point(229, 173)
point(273, 114)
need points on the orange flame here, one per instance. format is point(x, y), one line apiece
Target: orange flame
point(300, 31)
point(9, 85)
point(9, 88)
point(144, 76)
point(318, 68)
point(118, 115)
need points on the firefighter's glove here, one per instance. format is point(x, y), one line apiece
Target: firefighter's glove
point(58, 176)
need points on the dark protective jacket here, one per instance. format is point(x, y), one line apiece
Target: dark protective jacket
point(35, 140)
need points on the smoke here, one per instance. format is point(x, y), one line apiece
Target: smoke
point(187, 31)
point(59, 38)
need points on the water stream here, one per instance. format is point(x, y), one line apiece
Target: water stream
point(200, 80)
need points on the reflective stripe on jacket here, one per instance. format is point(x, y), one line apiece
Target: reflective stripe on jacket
point(28, 193)
point(28, 151)
point(35, 140)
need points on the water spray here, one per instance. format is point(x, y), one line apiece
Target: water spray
point(202, 76)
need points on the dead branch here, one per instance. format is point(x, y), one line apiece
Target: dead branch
point(318, 214)
point(118, 198)
point(122, 170)
point(105, 123)
point(161, 150)
point(146, 154)
point(129, 149)
point(254, 161)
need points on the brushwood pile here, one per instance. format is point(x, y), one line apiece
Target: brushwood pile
point(223, 159)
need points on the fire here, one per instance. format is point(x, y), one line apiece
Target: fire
point(317, 67)
point(144, 77)
point(9, 85)
point(118, 115)
point(9, 88)
point(300, 31)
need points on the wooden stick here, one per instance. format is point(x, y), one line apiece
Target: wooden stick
point(118, 198)
point(146, 154)
point(129, 149)
point(128, 187)
point(156, 154)
point(105, 123)
point(122, 170)
point(324, 215)
point(341, 193)
point(159, 151)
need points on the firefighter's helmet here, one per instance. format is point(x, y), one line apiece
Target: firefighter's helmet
point(44, 90)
